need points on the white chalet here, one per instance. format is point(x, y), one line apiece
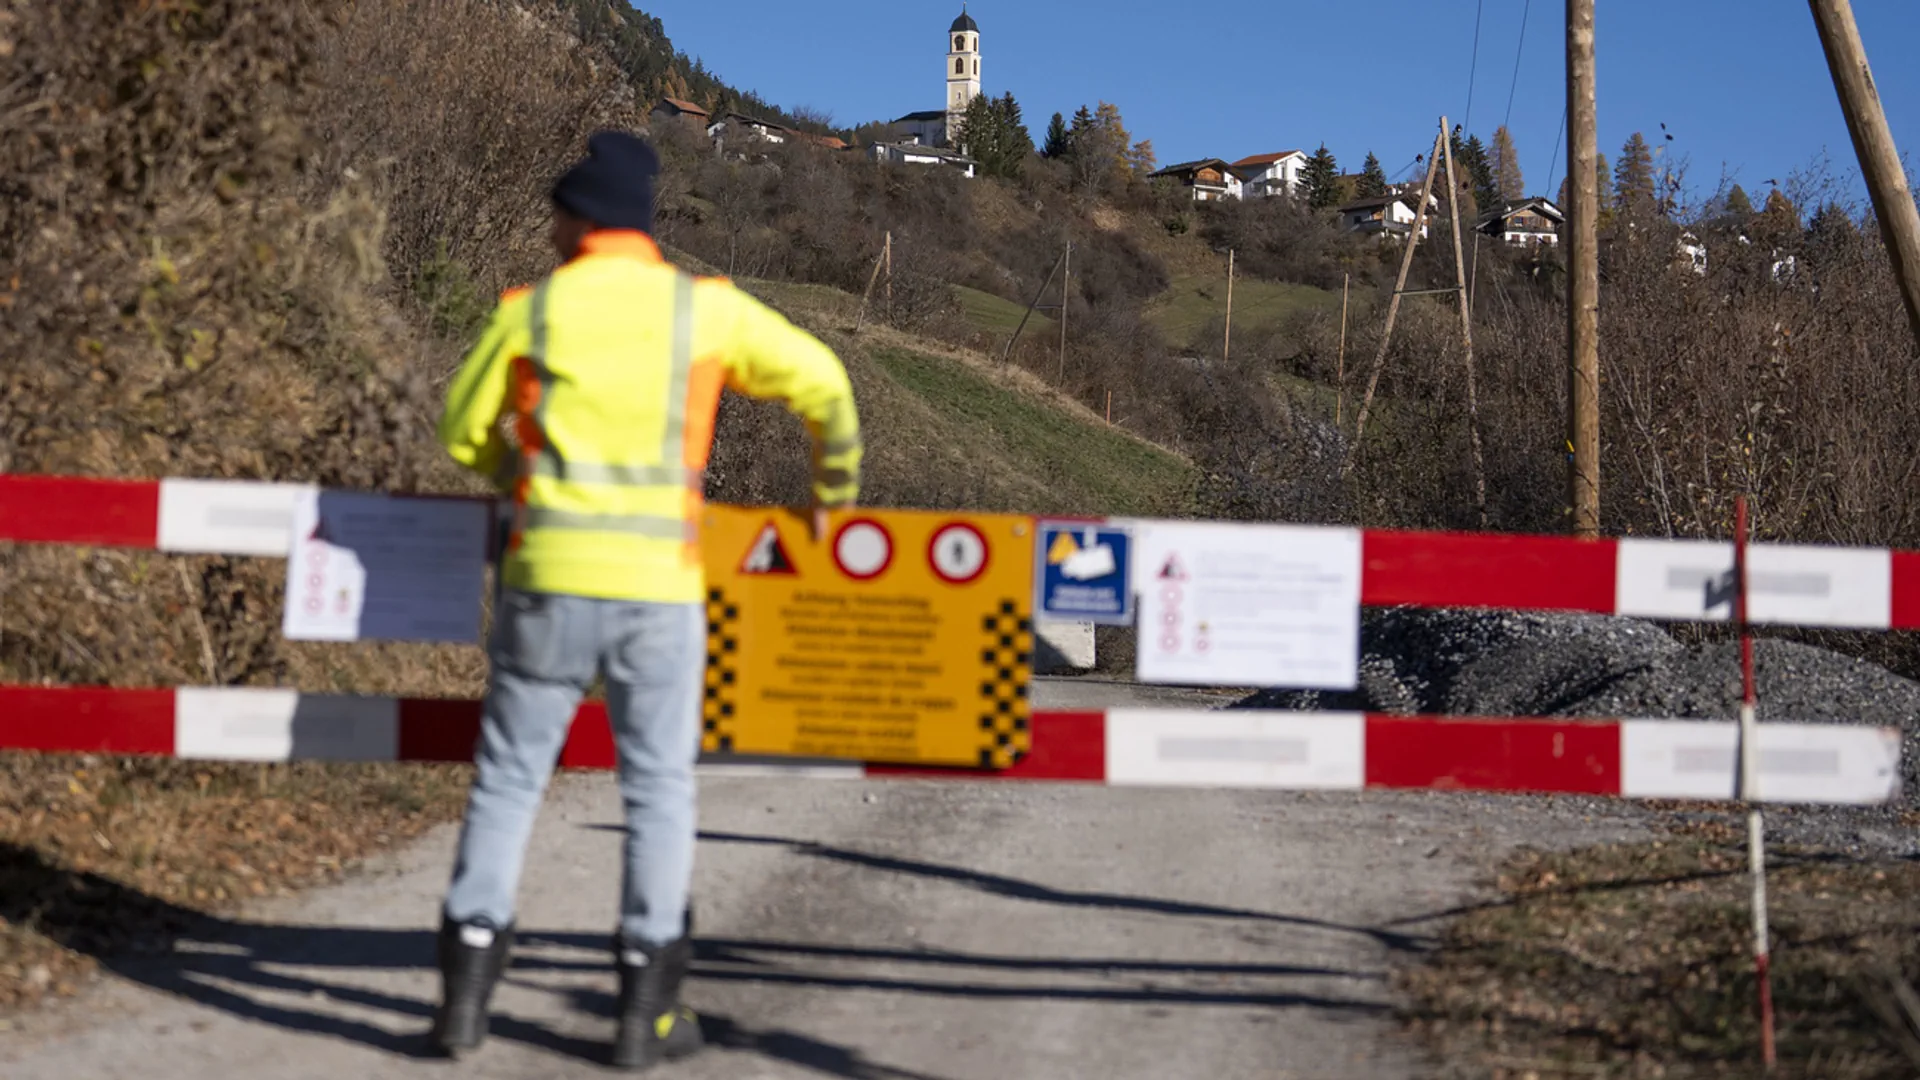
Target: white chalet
point(1265, 175)
point(1387, 215)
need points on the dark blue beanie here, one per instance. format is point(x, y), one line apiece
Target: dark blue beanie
point(613, 186)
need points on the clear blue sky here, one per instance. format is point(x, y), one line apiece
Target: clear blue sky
point(1739, 83)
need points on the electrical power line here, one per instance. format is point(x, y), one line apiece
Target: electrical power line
point(1479, 8)
point(1555, 169)
point(1517, 53)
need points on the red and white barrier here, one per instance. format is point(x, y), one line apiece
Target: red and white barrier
point(1810, 763)
point(1866, 588)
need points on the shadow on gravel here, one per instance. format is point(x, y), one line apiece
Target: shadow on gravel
point(1018, 889)
point(277, 974)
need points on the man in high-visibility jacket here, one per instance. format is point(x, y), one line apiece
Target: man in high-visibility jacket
point(609, 372)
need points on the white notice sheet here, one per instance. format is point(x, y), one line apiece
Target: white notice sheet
point(1248, 605)
point(366, 567)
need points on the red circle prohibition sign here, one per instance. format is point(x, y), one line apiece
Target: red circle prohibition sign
point(863, 549)
point(958, 553)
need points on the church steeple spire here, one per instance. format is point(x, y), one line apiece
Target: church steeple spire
point(963, 69)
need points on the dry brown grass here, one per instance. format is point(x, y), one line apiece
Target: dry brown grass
point(215, 220)
point(101, 855)
point(1634, 960)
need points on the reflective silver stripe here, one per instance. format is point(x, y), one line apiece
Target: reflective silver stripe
point(547, 456)
point(662, 528)
point(834, 477)
point(841, 445)
point(672, 446)
point(554, 467)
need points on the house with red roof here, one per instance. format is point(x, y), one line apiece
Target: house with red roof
point(668, 109)
point(1264, 175)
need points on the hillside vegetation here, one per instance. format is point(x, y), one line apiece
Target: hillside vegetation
point(252, 241)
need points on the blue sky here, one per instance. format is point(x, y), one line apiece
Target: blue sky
point(1739, 83)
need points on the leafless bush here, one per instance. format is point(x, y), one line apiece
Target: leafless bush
point(464, 111)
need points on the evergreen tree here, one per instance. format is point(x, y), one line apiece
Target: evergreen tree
point(1473, 176)
point(992, 134)
point(1323, 179)
point(1082, 126)
point(1634, 193)
point(1739, 205)
point(1371, 179)
point(1506, 167)
point(1102, 153)
point(1059, 144)
point(1831, 236)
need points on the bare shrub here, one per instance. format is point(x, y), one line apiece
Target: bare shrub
point(464, 142)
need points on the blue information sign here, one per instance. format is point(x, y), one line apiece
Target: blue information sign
point(1083, 573)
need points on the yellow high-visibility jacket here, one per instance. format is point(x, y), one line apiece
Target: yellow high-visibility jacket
point(611, 371)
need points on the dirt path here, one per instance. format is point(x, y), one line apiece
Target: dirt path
point(870, 930)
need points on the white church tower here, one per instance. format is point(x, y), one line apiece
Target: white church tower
point(963, 71)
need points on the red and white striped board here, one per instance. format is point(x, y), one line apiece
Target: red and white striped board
point(1863, 588)
point(1226, 748)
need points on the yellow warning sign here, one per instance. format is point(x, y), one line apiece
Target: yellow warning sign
point(899, 636)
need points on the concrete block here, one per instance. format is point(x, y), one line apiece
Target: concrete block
point(1062, 647)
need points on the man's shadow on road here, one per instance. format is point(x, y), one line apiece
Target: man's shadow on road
point(246, 968)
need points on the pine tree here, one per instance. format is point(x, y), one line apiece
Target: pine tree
point(1633, 184)
point(1831, 236)
point(1323, 179)
point(1473, 177)
point(1486, 193)
point(1016, 126)
point(1506, 167)
point(1739, 205)
point(1373, 179)
point(992, 134)
point(1082, 125)
point(1059, 144)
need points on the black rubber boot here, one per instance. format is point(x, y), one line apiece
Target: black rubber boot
point(654, 1026)
point(470, 965)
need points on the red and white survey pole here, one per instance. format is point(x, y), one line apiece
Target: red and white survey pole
point(1749, 754)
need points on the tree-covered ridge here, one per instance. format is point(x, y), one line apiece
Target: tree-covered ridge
point(638, 42)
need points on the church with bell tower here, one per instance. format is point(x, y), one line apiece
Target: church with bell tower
point(963, 70)
point(941, 127)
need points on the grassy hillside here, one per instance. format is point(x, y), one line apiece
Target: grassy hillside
point(996, 315)
point(1030, 447)
point(1195, 300)
point(955, 428)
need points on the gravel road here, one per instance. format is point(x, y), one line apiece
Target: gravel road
point(874, 930)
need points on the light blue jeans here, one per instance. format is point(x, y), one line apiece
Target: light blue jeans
point(544, 654)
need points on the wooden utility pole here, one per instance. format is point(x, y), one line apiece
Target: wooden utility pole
point(1007, 353)
point(1873, 144)
point(886, 254)
point(1340, 364)
point(1466, 332)
point(1226, 344)
point(878, 264)
point(1393, 305)
point(1583, 278)
point(1066, 286)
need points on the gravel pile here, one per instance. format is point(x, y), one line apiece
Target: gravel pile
point(1513, 664)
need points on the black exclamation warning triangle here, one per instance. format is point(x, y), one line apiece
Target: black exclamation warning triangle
point(768, 554)
point(1173, 571)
